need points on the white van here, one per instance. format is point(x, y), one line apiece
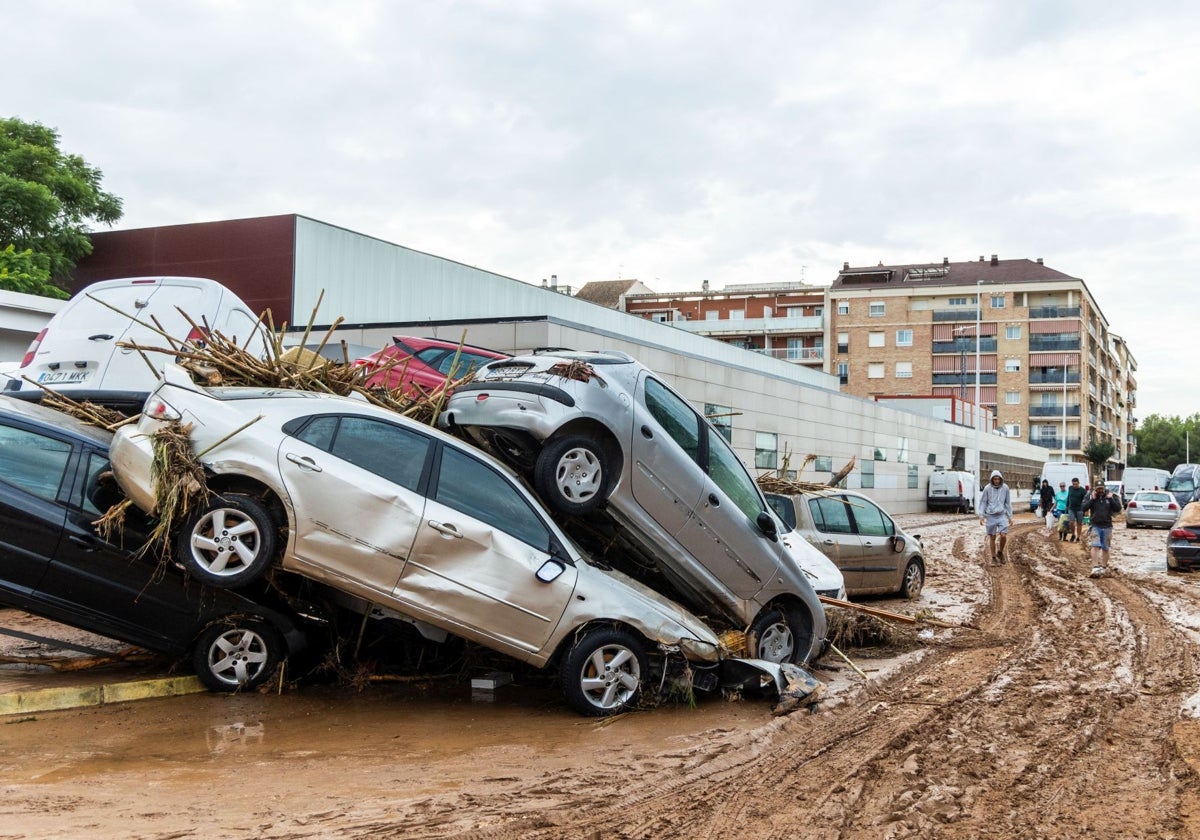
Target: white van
point(1144, 478)
point(77, 352)
point(1061, 472)
point(951, 490)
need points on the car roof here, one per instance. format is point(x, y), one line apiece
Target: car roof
point(41, 415)
point(415, 342)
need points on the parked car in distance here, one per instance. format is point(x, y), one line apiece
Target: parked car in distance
point(53, 485)
point(599, 434)
point(951, 490)
point(1151, 509)
point(77, 352)
point(874, 554)
point(404, 517)
point(1144, 478)
point(1184, 482)
point(1183, 541)
point(423, 365)
point(1117, 488)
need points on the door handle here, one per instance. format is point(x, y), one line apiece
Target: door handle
point(646, 433)
point(100, 337)
point(303, 462)
point(445, 528)
point(88, 543)
point(713, 500)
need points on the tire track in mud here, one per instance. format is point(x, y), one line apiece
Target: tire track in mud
point(1055, 718)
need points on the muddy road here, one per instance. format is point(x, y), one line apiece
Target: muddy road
point(1066, 709)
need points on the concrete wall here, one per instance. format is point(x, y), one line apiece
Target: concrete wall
point(21, 318)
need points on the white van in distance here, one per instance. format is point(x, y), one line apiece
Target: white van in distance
point(77, 352)
point(952, 490)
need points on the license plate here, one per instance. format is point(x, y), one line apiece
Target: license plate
point(64, 377)
point(507, 371)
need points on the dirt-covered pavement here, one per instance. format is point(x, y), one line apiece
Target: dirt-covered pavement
point(1065, 708)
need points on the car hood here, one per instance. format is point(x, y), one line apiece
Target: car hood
point(822, 573)
point(607, 593)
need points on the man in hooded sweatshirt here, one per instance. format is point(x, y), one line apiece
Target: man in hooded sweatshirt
point(996, 513)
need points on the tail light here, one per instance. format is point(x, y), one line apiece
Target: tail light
point(157, 408)
point(1172, 506)
point(27, 359)
point(1183, 534)
point(960, 492)
point(1131, 506)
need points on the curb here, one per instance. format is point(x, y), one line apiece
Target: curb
point(74, 697)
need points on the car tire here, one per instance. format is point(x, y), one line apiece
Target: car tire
point(778, 635)
point(230, 542)
point(914, 579)
point(237, 654)
point(571, 475)
point(602, 673)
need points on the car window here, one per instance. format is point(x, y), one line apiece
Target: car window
point(33, 462)
point(1183, 482)
point(1153, 497)
point(318, 432)
point(388, 451)
point(467, 363)
point(830, 514)
point(675, 416)
point(727, 472)
point(474, 488)
point(871, 521)
point(432, 356)
point(784, 510)
point(100, 490)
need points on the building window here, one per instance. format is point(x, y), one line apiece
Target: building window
point(818, 311)
point(712, 315)
point(914, 476)
point(997, 301)
point(875, 339)
point(1012, 398)
point(844, 342)
point(875, 370)
point(1012, 365)
point(823, 463)
point(904, 370)
point(880, 454)
point(902, 450)
point(1012, 333)
point(904, 338)
point(877, 309)
point(843, 307)
point(843, 373)
point(737, 314)
point(660, 317)
point(959, 301)
point(720, 416)
point(867, 474)
point(1013, 430)
point(766, 450)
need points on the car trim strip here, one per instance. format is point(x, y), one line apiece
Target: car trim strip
point(548, 391)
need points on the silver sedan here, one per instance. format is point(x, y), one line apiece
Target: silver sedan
point(1151, 508)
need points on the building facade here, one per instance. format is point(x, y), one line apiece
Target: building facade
point(1049, 368)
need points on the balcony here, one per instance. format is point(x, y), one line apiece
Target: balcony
point(965, 345)
point(1038, 344)
point(1055, 442)
point(955, 314)
point(967, 379)
point(754, 326)
point(795, 354)
point(1053, 411)
point(1054, 312)
point(1052, 378)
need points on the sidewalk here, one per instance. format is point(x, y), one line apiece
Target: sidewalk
point(33, 686)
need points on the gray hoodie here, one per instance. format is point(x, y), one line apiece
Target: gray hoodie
point(995, 501)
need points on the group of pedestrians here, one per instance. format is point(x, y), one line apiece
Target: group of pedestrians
point(1069, 505)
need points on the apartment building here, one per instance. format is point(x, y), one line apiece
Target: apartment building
point(781, 320)
point(1049, 368)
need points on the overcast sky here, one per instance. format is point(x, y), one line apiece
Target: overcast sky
point(672, 142)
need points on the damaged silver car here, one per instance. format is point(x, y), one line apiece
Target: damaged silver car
point(409, 519)
point(599, 433)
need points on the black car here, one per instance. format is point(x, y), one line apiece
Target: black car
point(52, 563)
point(1183, 542)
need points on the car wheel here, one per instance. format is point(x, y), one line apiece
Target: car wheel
point(229, 543)
point(237, 654)
point(778, 635)
point(914, 579)
point(570, 474)
point(602, 673)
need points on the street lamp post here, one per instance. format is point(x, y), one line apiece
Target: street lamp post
point(978, 419)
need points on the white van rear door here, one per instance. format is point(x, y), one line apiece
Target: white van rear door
point(162, 304)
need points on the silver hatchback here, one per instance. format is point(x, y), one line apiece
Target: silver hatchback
point(597, 432)
point(403, 517)
point(1152, 509)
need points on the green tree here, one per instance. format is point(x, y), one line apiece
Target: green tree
point(21, 271)
point(1165, 442)
point(1097, 454)
point(47, 200)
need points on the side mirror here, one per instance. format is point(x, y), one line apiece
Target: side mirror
point(550, 571)
point(766, 524)
point(898, 543)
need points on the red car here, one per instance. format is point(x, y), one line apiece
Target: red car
point(422, 365)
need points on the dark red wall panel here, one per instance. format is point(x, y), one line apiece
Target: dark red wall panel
point(253, 257)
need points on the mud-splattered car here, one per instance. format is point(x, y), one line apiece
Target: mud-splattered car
point(403, 516)
point(599, 433)
point(53, 563)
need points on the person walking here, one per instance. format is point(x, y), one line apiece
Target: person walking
point(1075, 496)
point(1047, 497)
point(1060, 510)
point(996, 513)
point(1101, 505)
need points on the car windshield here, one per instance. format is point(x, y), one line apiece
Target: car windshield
point(1181, 483)
point(1152, 497)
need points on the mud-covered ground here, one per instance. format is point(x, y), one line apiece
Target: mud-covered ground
point(1066, 707)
